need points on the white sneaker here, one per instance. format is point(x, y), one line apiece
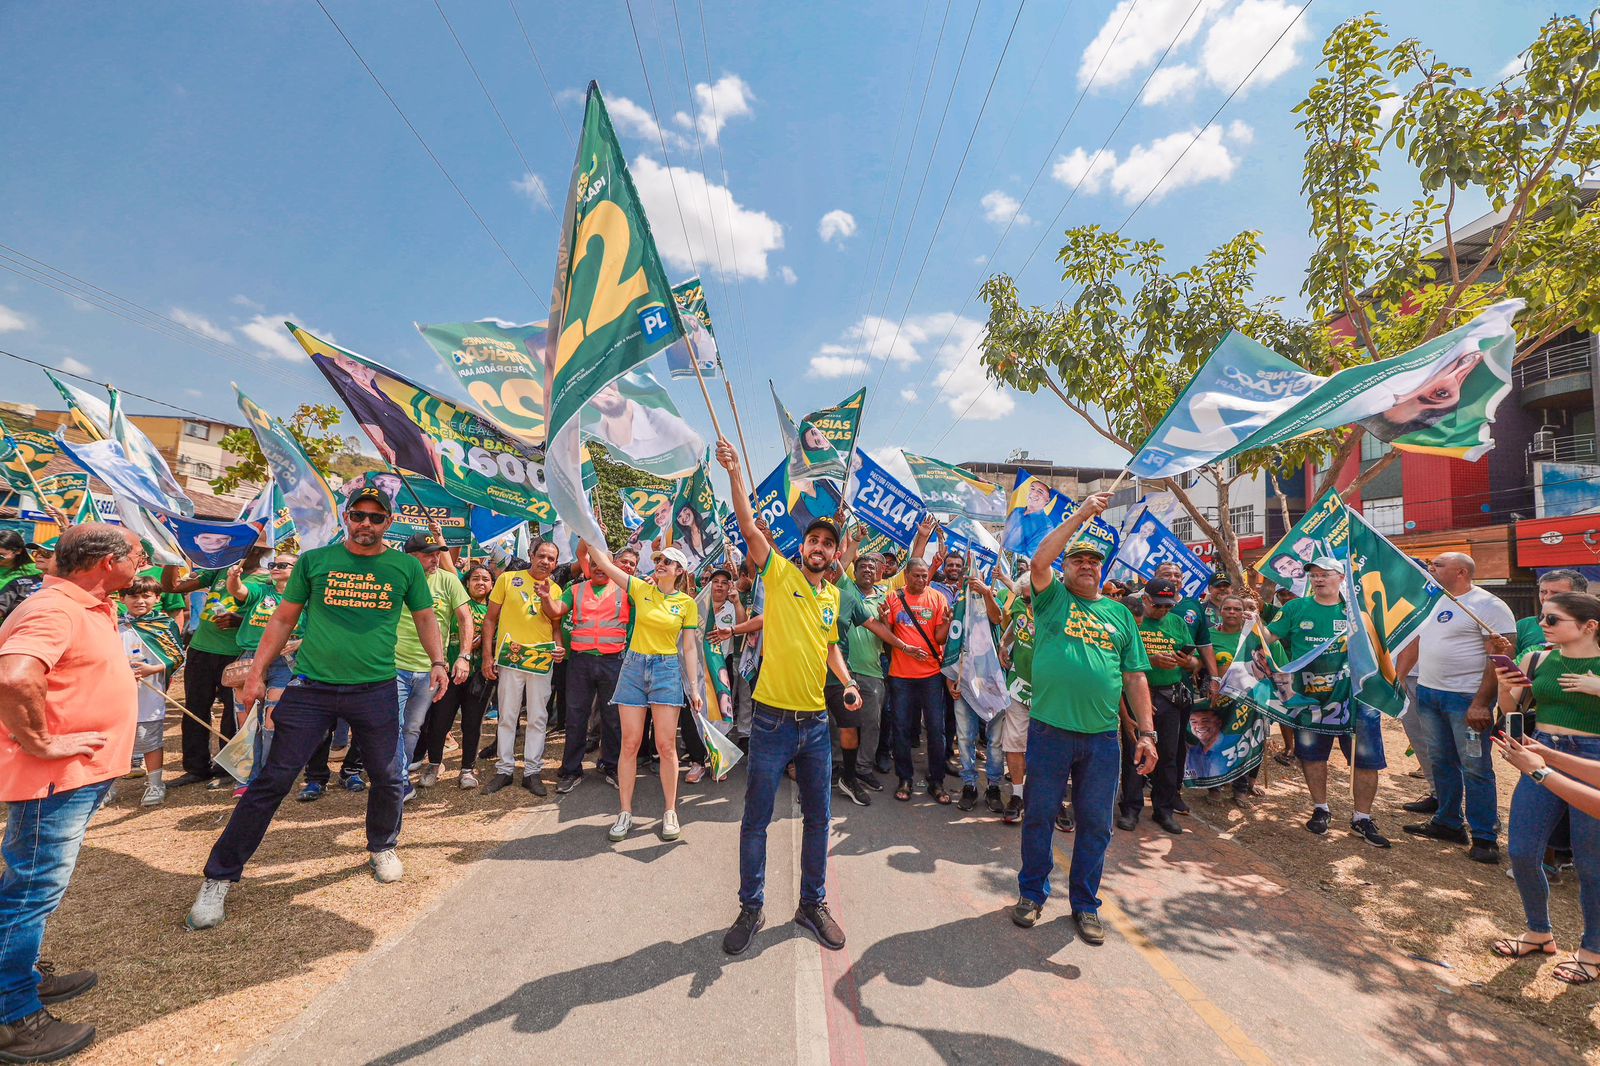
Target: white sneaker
point(430, 776)
point(621, 827)
point(155, 793)
point(386, 866)
point(468, 780)
point(207, 910)
point(670, 829)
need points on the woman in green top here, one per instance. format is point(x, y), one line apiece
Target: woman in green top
point(19, 577)
point(471, 697)
point(1566, 697)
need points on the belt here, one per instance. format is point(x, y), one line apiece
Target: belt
point(785, 713)
point(1168, 692)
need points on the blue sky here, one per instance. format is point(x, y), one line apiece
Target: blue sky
point(232, 165)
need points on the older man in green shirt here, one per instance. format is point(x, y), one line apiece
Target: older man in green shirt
point(1169, 643)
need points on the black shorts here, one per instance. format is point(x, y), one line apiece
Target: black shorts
point(843, 717)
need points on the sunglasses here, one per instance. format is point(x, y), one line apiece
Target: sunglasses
point(1554, 619)
point(280, 566)
point(359, 517)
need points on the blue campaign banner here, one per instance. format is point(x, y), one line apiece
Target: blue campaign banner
point(1149, 543)
point(1034, 509)
point(983, 559)
point(882, 502)
point(771, 504)
point(211, 545)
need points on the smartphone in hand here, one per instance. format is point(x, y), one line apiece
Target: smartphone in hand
point(1506, 662)
point(1514, 727)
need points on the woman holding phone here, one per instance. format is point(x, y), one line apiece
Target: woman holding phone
point(1566, 699)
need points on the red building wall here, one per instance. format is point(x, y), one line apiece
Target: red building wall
point(1439, 493)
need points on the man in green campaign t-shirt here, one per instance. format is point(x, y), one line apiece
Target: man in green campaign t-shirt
point(349, 597)
point(1087, 658)
point(1016, 655)
point(1169, 643)
point(451, 611)
point(860, 602)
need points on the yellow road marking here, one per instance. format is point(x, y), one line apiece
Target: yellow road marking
point(1214, 1016)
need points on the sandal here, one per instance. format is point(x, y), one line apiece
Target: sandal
point(1577, 972)
point(1283, 758)
point(903, 793)
point(1519, 948)
point(939, 794)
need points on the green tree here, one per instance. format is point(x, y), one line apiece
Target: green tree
point(610, 478)
point(311, 424)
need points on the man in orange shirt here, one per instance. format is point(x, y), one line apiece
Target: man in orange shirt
point(68, 711)
point(918, 618)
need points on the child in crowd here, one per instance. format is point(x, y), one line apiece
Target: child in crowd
point(140, 621)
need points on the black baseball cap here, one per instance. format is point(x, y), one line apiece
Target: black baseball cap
point(422, 542)
point(1221, 580)
point(371, 494)
point(1162, 592)
point(723, 570)
point(822, 523)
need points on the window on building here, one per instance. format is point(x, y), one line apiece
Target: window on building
point(1183, 528)
point(1373, 448)
point(203, 470)
point(1386, 515)
point(1243, 520)
point(198, 430)
point(1230, 469)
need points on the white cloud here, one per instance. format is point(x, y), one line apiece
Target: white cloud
point(837, 225)
point(245, 301)
point(11, 321)
point(966, 389)
point(201, 325)
point(877, 339)
point(1387, 109)
point(1000, 208)
point(532, 186)
point(908, 394)
point(629, 118)
point(1211, 158)
point(754, 235)
point(77, 366)
point(1128, 40)
point(980, 260)
point(267, 335)
point(1238, 38)
point(1514, 66)
point(837, 366)
point(1169, 82)
point(788, 275)
point(726, 98)
point(193, 394)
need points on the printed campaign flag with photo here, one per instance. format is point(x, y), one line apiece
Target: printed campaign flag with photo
point(978, 673)
point(106, 460)
point(1322, 530)
point(426, 434)
point(160, 636)
point(306, 495)
point(1147, 543)
point(699, 343)
point(1278, 692)
point(24, 455)
point(65, 493)
point(1228, 737)
point(416, 501)
point(1389, 599)
point(881, 501)
point(269, 509)
point(1034, 509)
point(821, 445)
point(209, 545)
point(650, 510)
point(611, 310)
point(90, 414)
point(950, 490)
point(693, 520)
point(141, 450)
point(964, 537)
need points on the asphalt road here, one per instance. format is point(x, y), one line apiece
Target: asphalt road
point(564, 946)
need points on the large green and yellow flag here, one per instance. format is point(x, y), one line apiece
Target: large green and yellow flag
point(611, 309)
point(1389, 598)
point(824, 442)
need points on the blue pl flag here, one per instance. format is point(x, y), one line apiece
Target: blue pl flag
point(1034, 509)
point(1242, 387)
point(305, 492)
point(1148, 543)
point(211, 545)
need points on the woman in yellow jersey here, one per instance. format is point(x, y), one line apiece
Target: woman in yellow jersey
point(665, 619)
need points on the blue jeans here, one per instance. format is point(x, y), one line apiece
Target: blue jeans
point(1535, 810)
point(1093, 762)
point(278, 676)
point(416, 696)
point(1459, 764)
point(967, 723)
point(777, 738)
point(40, 850)
point(913, 699)
point(302, 722)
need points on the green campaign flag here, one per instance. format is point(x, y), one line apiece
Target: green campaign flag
point(693, 520)
point(1440, 397)
point(822, 444)
point(1389, 598)
point(416, 500)
point(651, 508)
point(160, 637)
point(66, 493)
point(501, 365)
point(611, 310)
point(1322, 530)
point(699, 343)
point(947, 489)
point(90, 414)
point(27, 453)
point(426, 434)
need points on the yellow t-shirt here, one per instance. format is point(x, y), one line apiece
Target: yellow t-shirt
point(522, 617)
point(658, 618)
point(897, 582)
point(801, 623)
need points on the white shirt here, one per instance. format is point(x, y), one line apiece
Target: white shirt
point(152, 707)
point(1451, 653)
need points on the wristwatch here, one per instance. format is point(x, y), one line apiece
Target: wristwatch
point(1147, 734)
point(1540, 774)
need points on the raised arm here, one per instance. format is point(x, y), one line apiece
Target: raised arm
point(601, 557)
point(760, 549)
point(1040, 567)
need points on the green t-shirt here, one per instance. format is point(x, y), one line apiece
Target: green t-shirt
point(208, 637)
point(1169, 635)
point(448, 595)
point(480, 611)
point(1303, 625)
point(1081, 650)
point(257, 610)
point(352, 610)
point(1193, 613)
point(1019, 624)
point(866, 650)
point(853, 610)
point(1529, 635)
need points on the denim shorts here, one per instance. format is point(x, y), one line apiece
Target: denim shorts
point(649, 679)
point(1315, 747)
point(279, 673)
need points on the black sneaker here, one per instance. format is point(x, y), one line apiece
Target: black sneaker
point(1434, 831)
point(993, 800)
point(1425, 805)
point(883, 764)
point(1127, 821)
point(1485, 851)
point(815, 917)
point(969, 797)
point(1166, 821)
point(1367, 830)
point(1180, 807)
point(1318, 822)
point(179, 782)
point(744, 928)
point(1065, 823)
point(567, 784)
point(1025, 912)
point(853, 791)
point(1089, 927)
point(42, 1037)
point(496, 783)
point(532, 783)
point(611, 778)
point(1013, 813)
point(869, 781)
